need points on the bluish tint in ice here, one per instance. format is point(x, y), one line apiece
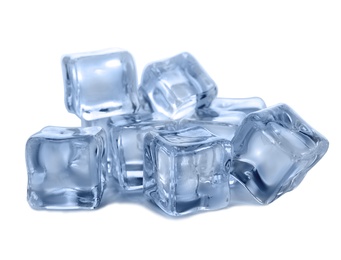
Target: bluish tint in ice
point(177, 86)
point(100, 84)
point(186, 171)
point(273, 150)
point(223, 106)
point(125, 137)
point(66, 168)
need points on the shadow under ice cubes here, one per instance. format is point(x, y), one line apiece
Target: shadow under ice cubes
point(66, 168)
point(187, 170)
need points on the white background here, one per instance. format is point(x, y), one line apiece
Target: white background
point(282, 51)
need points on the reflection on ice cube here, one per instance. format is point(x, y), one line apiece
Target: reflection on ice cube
point(66, 168)
point(100, 84)
point(125, 135)
point(223, 126)
point(177, 86)
point(187, 170)
point(273, 150)
point(222, 107)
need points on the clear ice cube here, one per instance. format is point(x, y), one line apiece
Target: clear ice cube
point(273, 150)
point(176, 86)
point(221, 106)
point(66, 168)
point(187, 170)
point(100, 84)
point(125, 153)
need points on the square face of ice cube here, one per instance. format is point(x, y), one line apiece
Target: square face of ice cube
point(187, 170)
point(126, 137)
point(176, 86)
point(222, 106)
point(100, 84)
point(273, 150)
point(66, 168)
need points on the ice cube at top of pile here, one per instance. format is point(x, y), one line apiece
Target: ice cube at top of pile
point(100, 84)
point(177, 86)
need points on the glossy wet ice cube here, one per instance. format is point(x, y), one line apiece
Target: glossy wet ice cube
point(126, 134)
point(66, 168)
point(186, 171)
point(273, 150)
point(100, 84)
point(176, 86)
point(222, 106)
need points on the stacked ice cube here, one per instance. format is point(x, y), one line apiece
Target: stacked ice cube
point(171, 138)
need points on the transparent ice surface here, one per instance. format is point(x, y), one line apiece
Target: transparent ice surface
point(125, 153)
point(104, 123)
point(224, 125)
point(224, 115)
point(222, 106)
point(187, 170)
point(100, 84)
point(66, 168)
point(273, 150)
point(176, 86)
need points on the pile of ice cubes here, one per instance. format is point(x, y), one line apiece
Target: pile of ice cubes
point(171, 138)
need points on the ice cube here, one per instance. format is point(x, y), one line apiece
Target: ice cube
point(187, 170)
point(125, 153)
point(176, 86)
point(100, 84)
point(66, 168)
point(273, 150)
point(221, 106)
